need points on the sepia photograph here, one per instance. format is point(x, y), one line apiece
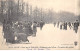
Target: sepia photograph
point(39, 24)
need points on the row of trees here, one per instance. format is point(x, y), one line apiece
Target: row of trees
point(18, 10)
point(9, 10)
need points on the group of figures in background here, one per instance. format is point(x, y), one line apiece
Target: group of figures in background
point(65, 25)
point(17, 32)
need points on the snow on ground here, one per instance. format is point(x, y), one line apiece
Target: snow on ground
point(53, 35)
point(49, 36)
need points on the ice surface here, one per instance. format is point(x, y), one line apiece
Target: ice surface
point(48, 36)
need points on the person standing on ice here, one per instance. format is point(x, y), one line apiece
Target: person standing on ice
point(29, 28)
point(54, 24)
point(58, 24)
point(4, 22)
point(4, 27)
point(34, 28)
point(61, 25)
point(69, 25)
point(41, 24)
point(76, 24)
point(65, 25)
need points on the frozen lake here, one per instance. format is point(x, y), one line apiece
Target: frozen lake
point(49, 36)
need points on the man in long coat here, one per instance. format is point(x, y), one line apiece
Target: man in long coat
point(76, 24)
point(41, 24)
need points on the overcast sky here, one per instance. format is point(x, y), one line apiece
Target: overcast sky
point(56, 5)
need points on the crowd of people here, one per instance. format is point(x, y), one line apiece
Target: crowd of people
point(16, 32)
point(65, 25)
